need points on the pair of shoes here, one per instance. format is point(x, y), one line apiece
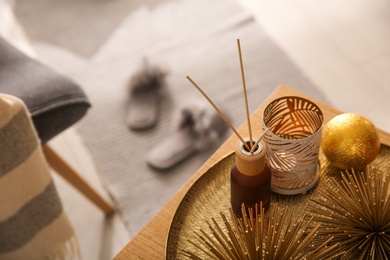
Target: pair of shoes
point(200, 128)
point(146, 88)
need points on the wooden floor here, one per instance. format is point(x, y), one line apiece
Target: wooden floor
point(342, 46)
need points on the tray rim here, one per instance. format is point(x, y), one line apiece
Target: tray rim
point(182, 200)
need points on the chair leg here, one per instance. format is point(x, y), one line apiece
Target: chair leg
point(68, 173)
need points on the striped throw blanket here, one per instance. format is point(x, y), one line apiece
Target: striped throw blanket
point(33, 224)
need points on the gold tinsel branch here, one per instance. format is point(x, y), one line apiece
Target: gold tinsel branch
point(278, 235)
point(356, 213)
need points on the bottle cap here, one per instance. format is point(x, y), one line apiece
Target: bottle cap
point(250, 163)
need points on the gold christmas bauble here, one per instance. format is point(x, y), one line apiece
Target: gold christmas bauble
point(350, 141)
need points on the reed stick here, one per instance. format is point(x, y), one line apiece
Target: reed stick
point(258, 140)
point(245, 95)
point(219, 112)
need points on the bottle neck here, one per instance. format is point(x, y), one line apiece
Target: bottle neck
point(250, 164)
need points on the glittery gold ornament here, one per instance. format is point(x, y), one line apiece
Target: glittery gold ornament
point(350, 141)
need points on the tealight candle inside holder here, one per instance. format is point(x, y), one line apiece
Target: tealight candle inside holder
point(293, 136)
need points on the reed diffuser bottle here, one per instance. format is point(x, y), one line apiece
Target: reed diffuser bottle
point(250, 177)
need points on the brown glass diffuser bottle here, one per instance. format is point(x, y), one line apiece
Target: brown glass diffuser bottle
point(250, 178)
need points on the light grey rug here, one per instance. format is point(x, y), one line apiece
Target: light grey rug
point(102, 47)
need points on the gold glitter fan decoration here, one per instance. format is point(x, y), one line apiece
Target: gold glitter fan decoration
point(258, 236)
point(356, 213)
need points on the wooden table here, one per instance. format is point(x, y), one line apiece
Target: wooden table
point(150, 242)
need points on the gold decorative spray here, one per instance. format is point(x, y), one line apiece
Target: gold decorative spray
point(356, 212)
point(258, 236)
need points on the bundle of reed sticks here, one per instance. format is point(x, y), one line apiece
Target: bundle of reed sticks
point(251, 147)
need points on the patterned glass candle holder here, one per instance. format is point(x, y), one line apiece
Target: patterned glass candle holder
point(293, 136)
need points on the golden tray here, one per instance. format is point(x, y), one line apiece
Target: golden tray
point(210, 195)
